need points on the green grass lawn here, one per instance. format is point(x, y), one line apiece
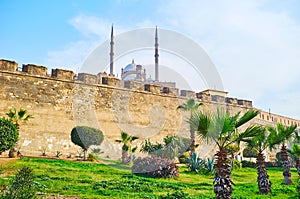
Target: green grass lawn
point(111, 180)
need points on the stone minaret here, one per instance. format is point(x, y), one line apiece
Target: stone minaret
point(111, 54)
point(156, 56)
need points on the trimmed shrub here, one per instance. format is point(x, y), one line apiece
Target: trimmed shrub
point(155, 167)
point(85, 137)
point(248, 164)
point(22, 185)
point(8, 134)
point(92, 157)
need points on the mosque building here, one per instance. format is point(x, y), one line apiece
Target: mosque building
point(136, 72)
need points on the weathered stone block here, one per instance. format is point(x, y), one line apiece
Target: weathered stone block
point(34, 69)
point(217, 98)
point(62, 74)
point(133, 85)
point(87, 78)
point(232, 101)
point(170, 91)
point(187, 93)
point(8, 65)
point(246, 103)
point(113, 81)
point(153, 88)
point(203, 96)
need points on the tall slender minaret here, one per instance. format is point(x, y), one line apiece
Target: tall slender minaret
point(111, 54)
point(156, 56)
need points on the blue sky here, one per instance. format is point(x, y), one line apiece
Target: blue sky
point(255, 45)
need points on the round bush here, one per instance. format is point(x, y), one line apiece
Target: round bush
point(85, 136)
point(8, 134)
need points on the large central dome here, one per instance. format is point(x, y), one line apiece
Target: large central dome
point(129, 67)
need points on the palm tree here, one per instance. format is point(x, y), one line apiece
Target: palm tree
point(281, 135)
point(127, 148)
point(222, 129)
point(295, 154)
point(191, 106)
point(259, 143)
point(17, 117)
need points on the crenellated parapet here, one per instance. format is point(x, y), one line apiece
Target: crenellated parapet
point(33, 69)
point(87, 78)
point(7, 65)
point(153, 88)
point(187, 93)
point(62, 74)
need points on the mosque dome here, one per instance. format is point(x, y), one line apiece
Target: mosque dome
point(129, 67)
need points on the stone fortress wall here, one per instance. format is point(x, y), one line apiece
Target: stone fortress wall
point(61, 100)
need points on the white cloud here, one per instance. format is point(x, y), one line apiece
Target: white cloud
point(255, 50)
point(72, 55)
point(91, 26)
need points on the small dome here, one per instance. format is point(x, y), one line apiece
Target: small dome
point(129, 67)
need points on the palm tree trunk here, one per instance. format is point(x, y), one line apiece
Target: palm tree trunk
point(298, 170)
point(264, 184)
point(286, 165)
point(192, 142)
point(125, 157)
point(222, 180)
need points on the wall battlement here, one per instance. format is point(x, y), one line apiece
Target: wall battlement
point(61, 100)
point(105, 79)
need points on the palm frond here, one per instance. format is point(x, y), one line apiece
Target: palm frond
point(249, 115)
point(250, 132)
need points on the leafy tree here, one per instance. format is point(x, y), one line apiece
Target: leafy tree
point(127, 149)
point(17, 117)
point(8, 134)
point(85, 137)
point(191, 106)
point(222, 129)
point(281, 135)
point(22, 186)
point(259, 143)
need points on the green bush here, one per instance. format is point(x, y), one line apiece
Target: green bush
point(248, 164)
point(8, 134)
point(237, 164)
point(209, 165)
point(173, 146)
point(85, 137)
point(155, 167)
point(249, 153)
point(92, 157)
point(22, 186)
point(195, 163)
